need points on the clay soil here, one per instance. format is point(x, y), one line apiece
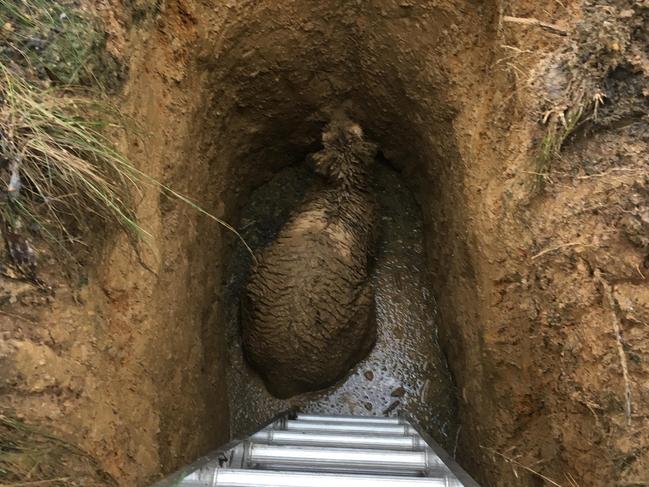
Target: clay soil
point(536, 230)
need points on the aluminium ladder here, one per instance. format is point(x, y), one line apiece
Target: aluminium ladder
point(306, 450)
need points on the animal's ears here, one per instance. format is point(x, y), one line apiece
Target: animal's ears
point(333, 132)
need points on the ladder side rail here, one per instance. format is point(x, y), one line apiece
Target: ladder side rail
point(461, 474)
point(214, 456)
point(265, 478)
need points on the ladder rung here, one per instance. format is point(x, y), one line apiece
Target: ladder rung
point(379, 429)
point(321, 459)
point(340, 439)
point(350, 419)
point(255, 478)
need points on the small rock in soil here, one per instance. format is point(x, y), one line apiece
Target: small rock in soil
point(369, 375)
point(398, 392)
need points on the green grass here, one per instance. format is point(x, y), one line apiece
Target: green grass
point(57, 40)
point(71, 176)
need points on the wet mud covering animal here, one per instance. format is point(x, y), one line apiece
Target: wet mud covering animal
point(308, 308)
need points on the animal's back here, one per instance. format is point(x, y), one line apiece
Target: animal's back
point(308, 311)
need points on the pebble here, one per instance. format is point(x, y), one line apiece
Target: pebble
point(369, 375)
point(398, 392)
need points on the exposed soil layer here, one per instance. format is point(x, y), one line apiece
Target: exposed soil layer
point(538, 264)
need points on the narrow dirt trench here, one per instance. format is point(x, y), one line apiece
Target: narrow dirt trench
point(267, 87)
point(514, 282)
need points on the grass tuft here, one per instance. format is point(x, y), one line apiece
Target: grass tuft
point(60, 172)
point(60, 175)
point(30, 457)
point(561, 125)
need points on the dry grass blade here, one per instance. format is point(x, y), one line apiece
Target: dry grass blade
point(559, 247)
point(524, 467)
point(193, 205)
point(555, 29)
point(617, 331)
point(562, 123)
point(31, 457)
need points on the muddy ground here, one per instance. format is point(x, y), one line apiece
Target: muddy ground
point(535, 230)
